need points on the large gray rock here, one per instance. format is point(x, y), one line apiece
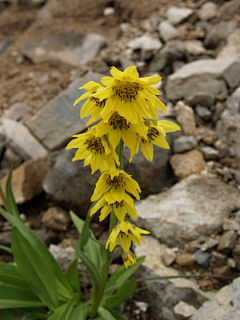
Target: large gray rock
point(70, 47)
point(232, 48)
point(228, 127)
point(206, 76)
point(70, 184)
point(55, 123)
point(193, 207)
point(225, 306)
point(21, 140)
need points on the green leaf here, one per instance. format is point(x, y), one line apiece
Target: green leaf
point(116, 314)
point(10, 315)
point(7, 249)
point(123, 293)
point(64, 289)
point(64, 311)
point(9, 195)
point(105, 314)
point(72, 275)
point(122, 274)
point(95, 275)
point(91, 247)
point(78, 313)
point(35, 270)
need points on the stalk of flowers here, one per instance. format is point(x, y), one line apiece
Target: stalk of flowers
point(128, 110)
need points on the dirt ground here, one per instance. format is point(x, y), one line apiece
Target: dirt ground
point(20, 79)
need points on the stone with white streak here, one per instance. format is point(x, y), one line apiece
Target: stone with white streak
point(193, 207)
point(207, 76)
point(21, 140)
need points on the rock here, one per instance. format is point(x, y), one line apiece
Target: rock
point(185, 118)
point(168, 31)
point(200, 99)
point(32, 3)
point(227, 241)
point(232, 48)
point(108, 11)
point(194, 47)
point(70, 184)
point(27, 180)
point(177, 15)
point(229, 9)
point(21, 140)
point(151, 176)
point(5, 44)
point(229, 224)
point(210, 153)
point(184, 310)
point(208, 11)
point(69, 47)
point(236, 255)
point(6, 238)
point(204, 113)
point(184, 143)
point(206, 76)
point(16, 112)
point(203, 258)
point(191, 162)
point(185, 259)
point(56, 122)
point(225, 306)
point(56, 218)
point(209, 244)
point(218, 33)
point(223, 271)
point(168, 257)
point(146, 44)
point(218, 258)
point(228, 127)
point(10, 158)
point(64, 257)
point(188, 210)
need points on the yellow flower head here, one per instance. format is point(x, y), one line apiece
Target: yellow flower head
point(113, 187)
point(93, 105)
point(120, 208)
point(132, 97)
point(125, 232)
point(156, 132)
point(95, 151)
point(129, 258)
point(117, 128)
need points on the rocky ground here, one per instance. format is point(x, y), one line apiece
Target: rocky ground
point(190, 195)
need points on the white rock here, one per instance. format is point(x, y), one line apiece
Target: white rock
point(232, 48)
point(176, 15)
point(21, 140)
point(168, 31)
point(193, 207)
point(108, 11)
point(184, 309)
point(147, 45)
point(208, 11)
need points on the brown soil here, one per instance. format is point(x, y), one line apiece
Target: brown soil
point(20, 79)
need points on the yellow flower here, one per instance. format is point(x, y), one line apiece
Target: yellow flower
point(95, 151)
point(118, 128)
point(129, 95)
point(128, 258)
point(155, 135)
point(125, 232)
point(120, 208)
point(93, 105)
point(112, 188)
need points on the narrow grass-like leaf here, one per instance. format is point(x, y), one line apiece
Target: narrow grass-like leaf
point(64, 288)
point(122, 274)
point(105, 314)
point(89, 264)
point(64, 311)
point(123, 293)
point(91, 246)
point(77, 313)
point(72, 276)
point(7, 249)
point(13, 209)
point(35, 270)
point(116, 314)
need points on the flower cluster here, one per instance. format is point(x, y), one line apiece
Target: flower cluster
point(127, 108)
